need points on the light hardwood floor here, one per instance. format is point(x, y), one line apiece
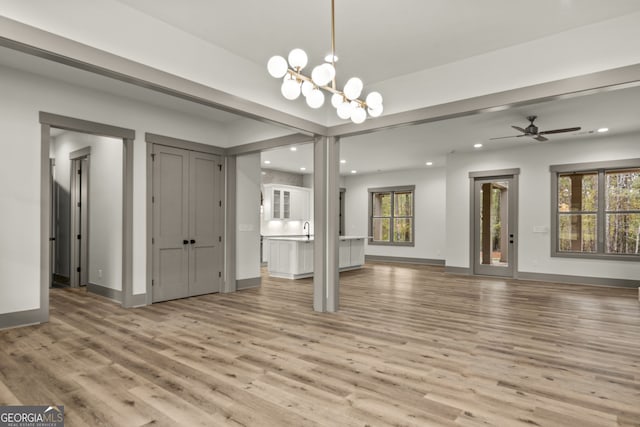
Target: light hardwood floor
point(410, 346)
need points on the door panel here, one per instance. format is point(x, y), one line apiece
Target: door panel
point(172, 275)
point(170, 223)
point(494, 233)
point(204, 224)
point(203, 271)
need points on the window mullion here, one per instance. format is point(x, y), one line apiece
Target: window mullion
point(601, 212)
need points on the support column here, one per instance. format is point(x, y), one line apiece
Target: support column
point(326, 195)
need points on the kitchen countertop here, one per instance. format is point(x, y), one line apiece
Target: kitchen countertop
point(308, 239)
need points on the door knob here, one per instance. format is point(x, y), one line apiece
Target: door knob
point(192, 241)
point(185, 242)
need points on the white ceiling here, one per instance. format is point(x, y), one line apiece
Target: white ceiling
point(378, 39)
point(411, 147)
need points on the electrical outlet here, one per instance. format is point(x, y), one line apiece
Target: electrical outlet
point(99, 274)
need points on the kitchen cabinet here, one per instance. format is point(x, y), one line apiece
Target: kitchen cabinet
point(286, 202)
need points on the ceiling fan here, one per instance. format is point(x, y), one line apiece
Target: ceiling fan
point(532, 131)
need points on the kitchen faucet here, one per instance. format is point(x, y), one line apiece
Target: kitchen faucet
point(307, 226)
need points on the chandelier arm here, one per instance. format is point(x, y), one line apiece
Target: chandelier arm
point(301, 77)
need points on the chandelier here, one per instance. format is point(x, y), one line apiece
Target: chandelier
point(323, 77)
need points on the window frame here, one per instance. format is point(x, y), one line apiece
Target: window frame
point(392, 190)
point(601, 168)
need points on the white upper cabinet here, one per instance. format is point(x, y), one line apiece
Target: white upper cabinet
point(286, 202)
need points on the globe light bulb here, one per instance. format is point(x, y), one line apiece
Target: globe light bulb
point(353, 88)
point(375, 112)
point(307, 87)
point(374, 100)
point(336, 100)
point(315, 99)
point(323, 74)
point(331, 58)
point(344, 110)
point(277, 66)
point(290, 89)
point(358, 115)
point(298, 58)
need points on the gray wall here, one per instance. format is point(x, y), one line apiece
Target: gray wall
point(270, 176)
point(248, 216)
point(534, 209)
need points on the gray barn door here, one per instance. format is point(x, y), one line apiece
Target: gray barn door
point(187, 214)
point(170, 223)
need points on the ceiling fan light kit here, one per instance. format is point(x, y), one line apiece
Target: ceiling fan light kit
point(532, 131)
point(347, 101)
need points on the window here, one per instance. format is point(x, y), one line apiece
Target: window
point(391, 219)
point(597, 210)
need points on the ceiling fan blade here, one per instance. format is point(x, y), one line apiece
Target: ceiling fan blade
point(505, 137)
point(519, 129)
point(547, 132)
point(540, 138)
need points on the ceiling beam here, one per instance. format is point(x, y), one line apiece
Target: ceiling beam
point(268, 144)
point(559, 89)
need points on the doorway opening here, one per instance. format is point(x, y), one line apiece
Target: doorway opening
point(86, 212)
point(494, 229)
point(86, 243)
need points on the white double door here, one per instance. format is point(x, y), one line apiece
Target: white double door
point(187, 223)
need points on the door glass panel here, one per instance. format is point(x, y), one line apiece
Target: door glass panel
point(493, 233)
point(286, 204)
point(276, 203)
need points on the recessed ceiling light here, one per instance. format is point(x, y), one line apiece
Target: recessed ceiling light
point(429, 163)
point(478, 145)
point(602, 130)
point(267, 162)
point(303, 168)
point(343, 161)
point(293, 149)
point(354, 171)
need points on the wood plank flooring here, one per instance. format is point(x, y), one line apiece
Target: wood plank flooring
point(411, 346)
